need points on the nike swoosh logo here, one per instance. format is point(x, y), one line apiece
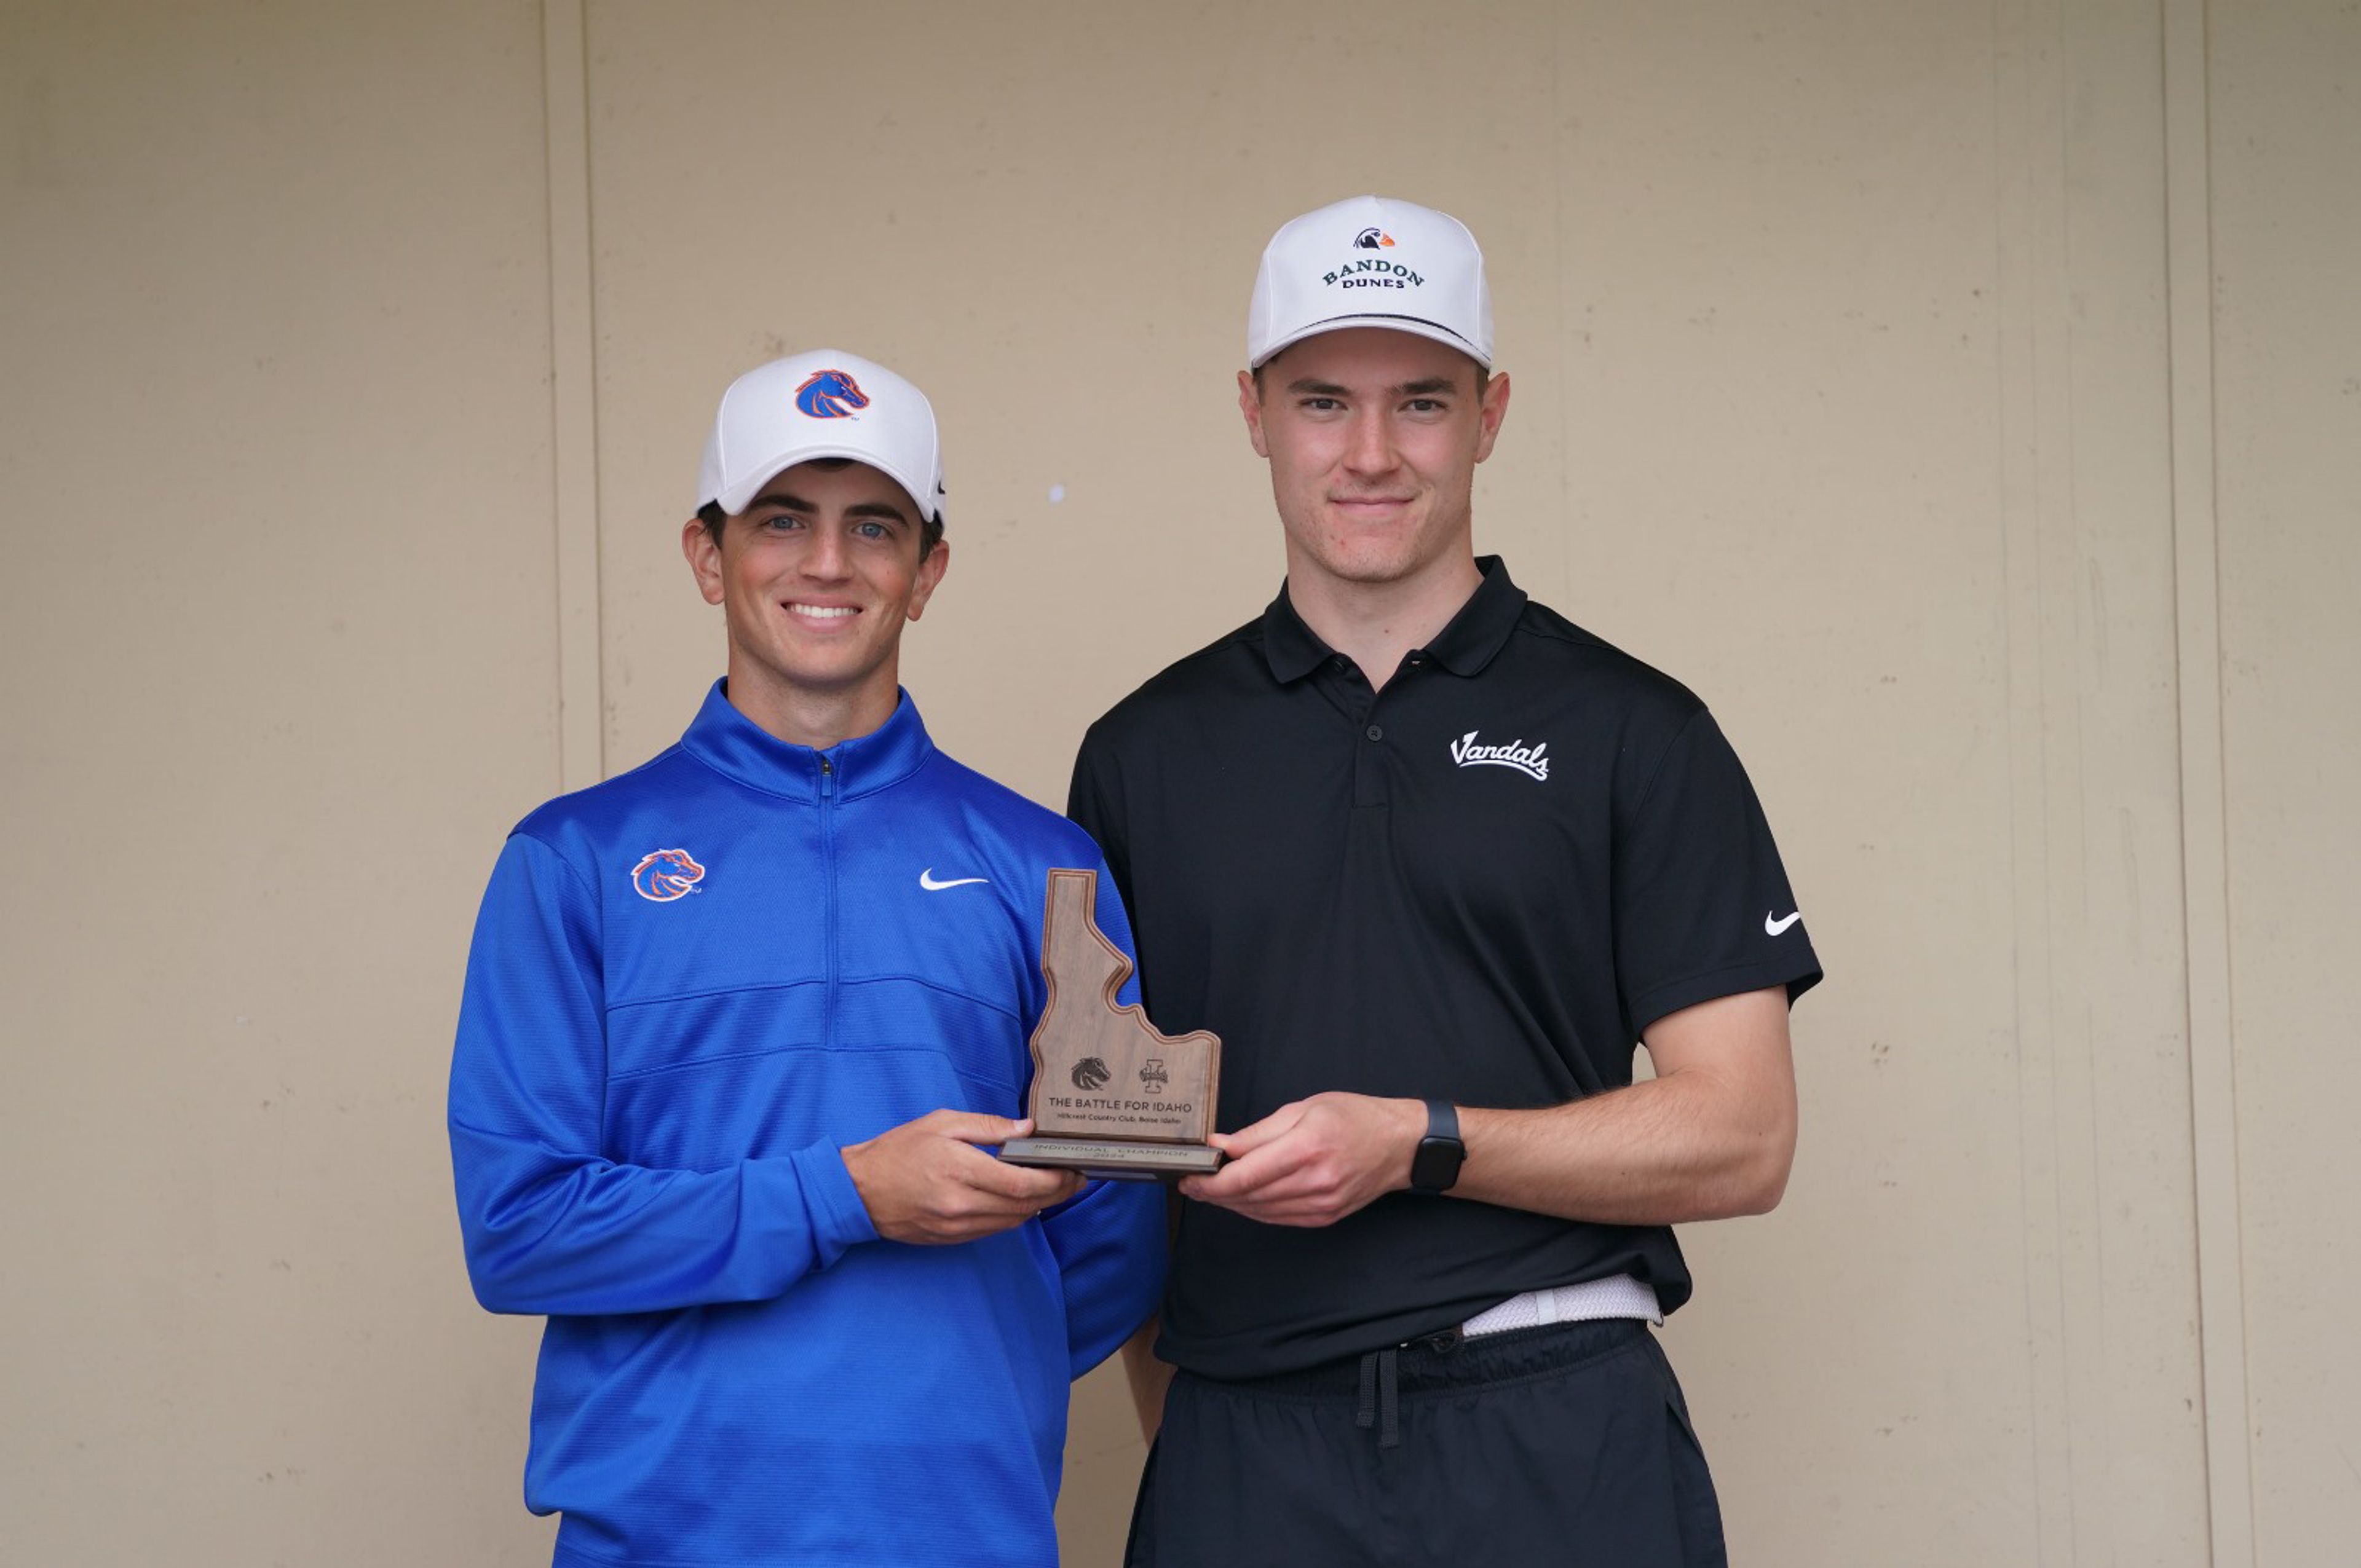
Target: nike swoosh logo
point(1772, 927)
point(927, 880)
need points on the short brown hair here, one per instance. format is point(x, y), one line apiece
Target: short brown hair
point(930, 528)
point(1482, 375)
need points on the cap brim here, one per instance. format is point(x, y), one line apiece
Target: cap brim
point(734, 499)
point(1417, 326)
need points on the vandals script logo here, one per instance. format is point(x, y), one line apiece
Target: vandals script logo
point(1152, 1076)
point(1370, 239)
point(1091, 1073)
point(666, 875)
point(1527, 760)
point(831, 394)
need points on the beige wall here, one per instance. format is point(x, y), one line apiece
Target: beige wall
point(276, 612)
point(1961, 398)
point(2287, 248)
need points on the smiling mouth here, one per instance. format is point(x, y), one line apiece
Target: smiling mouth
point(825, 611)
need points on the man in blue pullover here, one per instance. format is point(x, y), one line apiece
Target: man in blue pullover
point(735, 1025)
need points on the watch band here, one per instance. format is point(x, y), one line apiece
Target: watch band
point(1442, 1120)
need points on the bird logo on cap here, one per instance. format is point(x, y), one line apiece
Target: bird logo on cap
point(831, 394)
point(1370, 239)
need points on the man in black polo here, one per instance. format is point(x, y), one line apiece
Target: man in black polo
point(1431, 859)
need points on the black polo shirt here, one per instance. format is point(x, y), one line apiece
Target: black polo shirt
point(1480, 885)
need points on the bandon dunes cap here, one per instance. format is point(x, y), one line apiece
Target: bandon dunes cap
point(825, 403)
point(1371, 261)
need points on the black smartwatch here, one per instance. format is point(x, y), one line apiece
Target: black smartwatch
point(1440, 1154)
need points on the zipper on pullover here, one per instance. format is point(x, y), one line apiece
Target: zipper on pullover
point(827, 876)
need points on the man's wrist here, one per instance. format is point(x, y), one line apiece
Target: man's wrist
point(1412, 1122)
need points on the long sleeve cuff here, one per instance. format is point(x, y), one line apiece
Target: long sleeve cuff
point(839, 1219)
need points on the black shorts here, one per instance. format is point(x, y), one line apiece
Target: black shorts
point(1567, 1445)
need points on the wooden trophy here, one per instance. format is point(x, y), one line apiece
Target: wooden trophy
point(1111, 1096)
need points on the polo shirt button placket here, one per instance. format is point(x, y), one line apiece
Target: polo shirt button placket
point(1369, 765)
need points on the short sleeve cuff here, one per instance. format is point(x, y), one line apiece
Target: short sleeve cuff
point(839, 1218)
point(1663, 1001)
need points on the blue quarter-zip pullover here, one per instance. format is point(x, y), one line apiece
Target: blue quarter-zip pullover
point(690, 987)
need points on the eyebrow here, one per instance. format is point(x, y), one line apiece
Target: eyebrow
point(787, 501)
point(1426, 387)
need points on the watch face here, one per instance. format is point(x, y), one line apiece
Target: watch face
point(1436, 1164)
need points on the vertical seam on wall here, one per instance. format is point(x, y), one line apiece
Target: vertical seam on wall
point(2204, 820)
point(573, 394)
point(1572, 367)
point(2037, 550)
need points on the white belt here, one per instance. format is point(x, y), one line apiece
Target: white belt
point(1618, 1296)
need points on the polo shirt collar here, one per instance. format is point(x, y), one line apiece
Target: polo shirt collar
point(1294, 649)
point(1463, 647)
point(728, 741)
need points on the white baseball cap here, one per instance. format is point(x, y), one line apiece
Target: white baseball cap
point(1371, 261)
point(825, 403)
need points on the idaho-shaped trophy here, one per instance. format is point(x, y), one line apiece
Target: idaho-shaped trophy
point(1111, 1095)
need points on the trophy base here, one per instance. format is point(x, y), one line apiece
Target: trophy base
point(1115, 1159)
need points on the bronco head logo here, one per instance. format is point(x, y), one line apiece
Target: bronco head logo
point(666, 875)
point(1370, 239)
point(1091, 1073)
point(831, 394)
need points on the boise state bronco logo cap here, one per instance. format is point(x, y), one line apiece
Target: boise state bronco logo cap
point(825, 403)
point(1371, 261)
